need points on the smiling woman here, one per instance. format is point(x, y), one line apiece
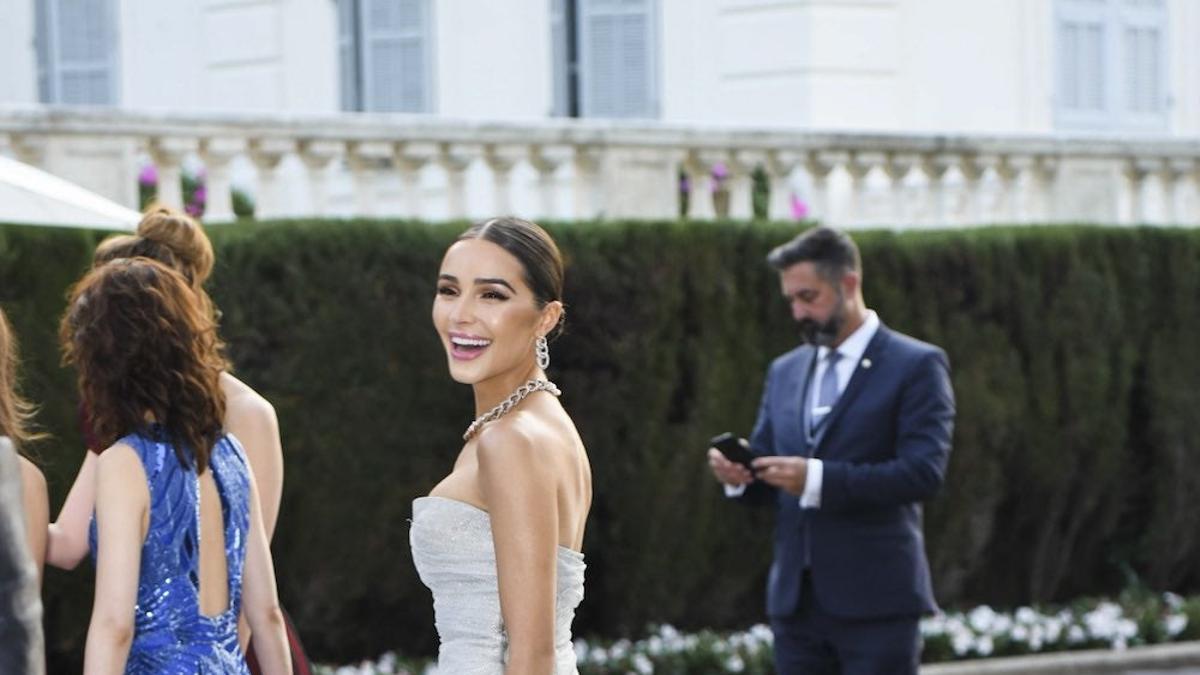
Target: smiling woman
point(518, 497)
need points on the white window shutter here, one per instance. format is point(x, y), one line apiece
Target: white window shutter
point(348, 70)
point(44, 44)
point(1111, 64)
point(1143, 51)
point(618, 58)
point(559, 59)
point(395, 55)
point(77, 51)
point(1084, 73)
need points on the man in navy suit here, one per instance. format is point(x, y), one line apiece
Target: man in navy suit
point(852, 435)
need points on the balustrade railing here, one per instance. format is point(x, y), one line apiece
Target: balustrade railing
point(435, 168)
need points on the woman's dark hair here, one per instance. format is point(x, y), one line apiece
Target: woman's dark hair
point(533, 248)
point(142, 342)
point(832, 252)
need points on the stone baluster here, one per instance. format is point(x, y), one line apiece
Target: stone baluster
point(779, 167)
point(410, 158)
point(701, 185)
point(168, 153)
point(365, 159)
point(1191, 178)
point(218, 154)
point(1135, 171)
point(896, 167)
point(741, 183)
point(266, 154)
point(818, 165)
point(501, 159)
point(317, 155)
point(1009, 171)
point(1175, 173)
point(974, 168)
point(935, 166)
point(1043, 179)
point(546, 160)
point(28, 148)
point(455, 159)
point(859, 167)
point(585, 189)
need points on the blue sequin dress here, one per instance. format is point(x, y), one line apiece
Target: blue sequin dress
point(171, 636)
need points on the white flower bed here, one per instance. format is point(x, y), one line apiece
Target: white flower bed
point(981, 632)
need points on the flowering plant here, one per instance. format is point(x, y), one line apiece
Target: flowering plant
point(192, 183)
point(1138, 619)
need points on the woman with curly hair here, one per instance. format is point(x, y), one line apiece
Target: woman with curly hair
point(15, 414)
point(179, 242)
point(178, 536)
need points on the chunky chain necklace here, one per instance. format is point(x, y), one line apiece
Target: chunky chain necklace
point(509, 403)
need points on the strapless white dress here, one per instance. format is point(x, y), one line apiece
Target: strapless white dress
point(453, 550)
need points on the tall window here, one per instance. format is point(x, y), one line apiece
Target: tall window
point(1111, 70)
point(76, 44)
point(605, 57)
point(384, 49)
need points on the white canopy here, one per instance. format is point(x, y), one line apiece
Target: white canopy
point(31, 196)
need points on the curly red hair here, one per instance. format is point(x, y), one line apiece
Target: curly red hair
point(174, 239)
point(145, 347)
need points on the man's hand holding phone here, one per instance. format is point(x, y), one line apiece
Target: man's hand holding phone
point(730, 459)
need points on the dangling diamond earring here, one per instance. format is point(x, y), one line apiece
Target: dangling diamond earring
point(542, 349)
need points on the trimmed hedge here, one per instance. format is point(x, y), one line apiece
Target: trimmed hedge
point(1074, 367)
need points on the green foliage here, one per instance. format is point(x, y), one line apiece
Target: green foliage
point(760, 193)
point(1074, 368)
point(243, 204)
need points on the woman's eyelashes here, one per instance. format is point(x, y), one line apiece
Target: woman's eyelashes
point(448, 290)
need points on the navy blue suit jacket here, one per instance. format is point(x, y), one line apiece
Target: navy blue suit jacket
point(884, 447)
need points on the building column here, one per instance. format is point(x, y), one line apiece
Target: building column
point(317, 156)
point(779, 167)
point(218, 154)
point(168, 153)
point(546, 160)
point(896, 167)
point(266, 154)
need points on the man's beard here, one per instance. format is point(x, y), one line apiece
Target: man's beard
point(824, 334)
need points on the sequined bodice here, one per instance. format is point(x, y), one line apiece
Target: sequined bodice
point(453, 550)
point(171, 635)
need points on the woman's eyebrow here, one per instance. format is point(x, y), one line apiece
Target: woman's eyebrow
point(497, 281)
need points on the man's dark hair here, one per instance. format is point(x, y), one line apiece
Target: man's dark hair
point(833, 253)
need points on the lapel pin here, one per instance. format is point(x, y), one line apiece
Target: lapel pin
point(866, 363)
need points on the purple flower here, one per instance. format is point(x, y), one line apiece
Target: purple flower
point(200, 196)
point(149, 175)
point(799, 208)
point(685, 185)
point(719, 173)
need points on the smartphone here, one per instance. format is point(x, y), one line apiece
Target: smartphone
point(731, 446)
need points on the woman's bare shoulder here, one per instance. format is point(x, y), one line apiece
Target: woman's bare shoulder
point(242, 401)
point(31, 477)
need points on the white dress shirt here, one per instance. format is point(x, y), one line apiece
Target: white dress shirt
point(851, 352)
